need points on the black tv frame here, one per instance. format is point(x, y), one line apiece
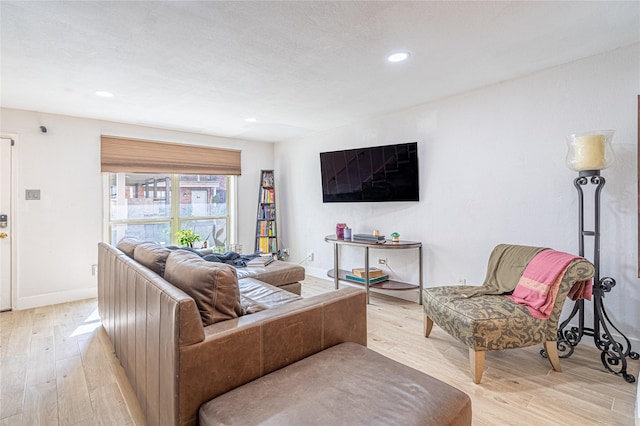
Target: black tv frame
point(387, 173)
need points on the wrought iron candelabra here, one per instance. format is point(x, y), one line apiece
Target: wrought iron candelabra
point(614, 354)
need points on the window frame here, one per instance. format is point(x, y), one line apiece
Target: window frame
point(174, 218)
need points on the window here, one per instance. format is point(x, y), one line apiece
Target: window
point(155, 206)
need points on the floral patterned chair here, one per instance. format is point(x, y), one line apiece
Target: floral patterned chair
point(490, 322)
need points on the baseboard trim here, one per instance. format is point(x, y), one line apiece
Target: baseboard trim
point(54, 298)
point(317, 273)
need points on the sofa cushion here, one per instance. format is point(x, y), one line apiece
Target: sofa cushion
point(276, 273)
point(347, 384)
point(257, 295)
point(127, 245)
point(213, 286)
point(152, 255)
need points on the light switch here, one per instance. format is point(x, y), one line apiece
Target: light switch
point(32, 194)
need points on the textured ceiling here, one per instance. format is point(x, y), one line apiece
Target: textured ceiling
point(297, 67)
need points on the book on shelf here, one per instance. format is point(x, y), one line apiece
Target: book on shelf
point(373, 272)
point(267, 212)
point(267, 245)
point(267, 196)
point(369, 237)
point(260, 261)
point(266, 229)
point(267, 179)
point(362, 280)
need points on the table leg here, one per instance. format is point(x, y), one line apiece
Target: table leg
point(420, 269)
point(336, 270)
point(366, 271)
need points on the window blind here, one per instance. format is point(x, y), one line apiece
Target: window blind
point(118, 155)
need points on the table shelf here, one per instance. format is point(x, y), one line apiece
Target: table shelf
point(384, 285)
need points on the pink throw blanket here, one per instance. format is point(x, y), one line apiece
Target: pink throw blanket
point(540, 281)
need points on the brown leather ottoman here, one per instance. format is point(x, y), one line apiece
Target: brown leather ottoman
point(346, 384)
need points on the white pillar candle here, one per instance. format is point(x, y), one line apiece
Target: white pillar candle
point(589, 152)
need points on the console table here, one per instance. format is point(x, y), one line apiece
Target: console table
point(339, 274)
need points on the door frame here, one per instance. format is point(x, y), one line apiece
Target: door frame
point(13, 217)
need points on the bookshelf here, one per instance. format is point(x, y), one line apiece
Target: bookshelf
point(266, 230)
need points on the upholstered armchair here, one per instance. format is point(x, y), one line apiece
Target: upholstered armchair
point(485, 319)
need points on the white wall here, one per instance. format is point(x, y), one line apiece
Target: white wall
point(493, 171)
point(57, 237)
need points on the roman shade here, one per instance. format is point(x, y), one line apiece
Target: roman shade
point(118, 155)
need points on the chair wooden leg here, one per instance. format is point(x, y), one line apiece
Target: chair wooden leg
point(551, 346)
point(428, 325)
point(476, 359)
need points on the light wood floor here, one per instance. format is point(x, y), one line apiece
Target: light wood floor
point(58, 367)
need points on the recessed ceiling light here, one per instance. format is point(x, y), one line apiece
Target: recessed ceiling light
point(398, 57)
point(104, 94)
point(250, 120)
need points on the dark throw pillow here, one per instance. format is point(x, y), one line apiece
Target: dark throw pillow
point(213, 286)
point(211, 258)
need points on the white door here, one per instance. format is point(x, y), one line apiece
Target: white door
point(199, 203)
point(5, 224)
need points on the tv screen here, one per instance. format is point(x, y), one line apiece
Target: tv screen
point(380, 173)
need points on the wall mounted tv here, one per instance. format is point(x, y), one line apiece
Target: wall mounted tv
point(380, 173)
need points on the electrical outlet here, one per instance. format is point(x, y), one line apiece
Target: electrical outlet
point(94, 269)
point(382, 261)
point(310, 256)
point(462, 281)
point(32, 194)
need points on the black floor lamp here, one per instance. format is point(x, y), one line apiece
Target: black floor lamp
point(588, 154)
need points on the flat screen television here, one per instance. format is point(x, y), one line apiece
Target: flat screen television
point(374, 174)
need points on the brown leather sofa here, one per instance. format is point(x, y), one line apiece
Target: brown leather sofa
point(174, 362)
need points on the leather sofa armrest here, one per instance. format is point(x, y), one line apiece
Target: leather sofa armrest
point(238, 351)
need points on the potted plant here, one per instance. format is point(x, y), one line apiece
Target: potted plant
point(186, 237)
